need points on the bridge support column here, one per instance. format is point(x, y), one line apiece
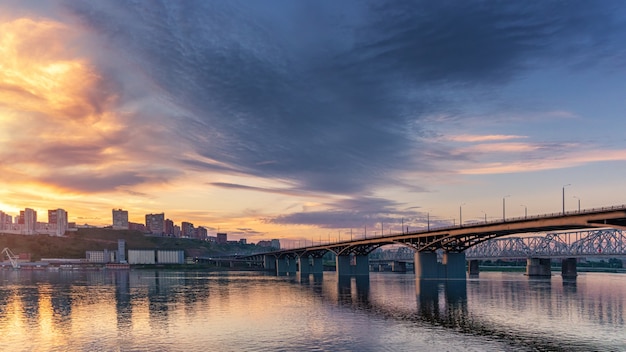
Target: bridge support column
point(342, 263)
point(538, 267)
point(269, 262)
point(454, 264)
point(281, 266)
point(345, 266)
point(472, 268)
point(426, 265)
point(304, 266)
point(568, 268)
point(318, 266)
point(451, 267)
point(362, 265)
point(292, 265)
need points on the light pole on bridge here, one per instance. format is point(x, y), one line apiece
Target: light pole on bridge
point(461, 215)
point(578, 203)
point(504, 207)
point(525, 211)
point(569, 184)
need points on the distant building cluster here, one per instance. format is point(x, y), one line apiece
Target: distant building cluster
point(26, 223)
point(159, 225)
point(155, 224)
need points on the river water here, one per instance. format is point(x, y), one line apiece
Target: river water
point(143, 310)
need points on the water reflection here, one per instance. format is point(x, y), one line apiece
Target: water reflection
point(104, 310)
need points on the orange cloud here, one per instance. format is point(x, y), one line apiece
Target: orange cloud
point(40, 74)
point(55, 108)
point(563, 161)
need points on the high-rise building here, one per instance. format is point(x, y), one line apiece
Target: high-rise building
point(156, 223)
point(222, 238)
point(275, 243)
point(30, 221)
point(201, 233)
point(58, 217)
point(5, 220)
point(120, 219)
point(187, 229)
point(169, 227)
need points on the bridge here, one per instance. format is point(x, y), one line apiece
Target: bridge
point(453, 241)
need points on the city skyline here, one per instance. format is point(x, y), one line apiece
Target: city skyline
point(298, 120)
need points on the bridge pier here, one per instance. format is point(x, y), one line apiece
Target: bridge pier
point(352, 265)
point(281, 266)
point(538, 267)
point(307, 265)
point(426, 265)
point(568, 268)
point(472, 268)
point(452, 265)
point(285, 266)
point(269, 262)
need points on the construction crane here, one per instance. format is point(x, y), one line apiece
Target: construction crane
point(12, 258)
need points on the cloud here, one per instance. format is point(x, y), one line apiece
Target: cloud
point(547, 161)
point(326, 98)
point(289, 192)
point(481, 138)
point(342, 110)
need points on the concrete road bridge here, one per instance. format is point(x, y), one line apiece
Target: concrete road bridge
point(452, 242)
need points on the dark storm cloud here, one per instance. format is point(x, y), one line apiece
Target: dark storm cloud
point(330, 95)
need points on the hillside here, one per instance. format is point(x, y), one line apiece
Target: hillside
point(75, 244)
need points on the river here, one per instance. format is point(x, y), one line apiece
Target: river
point(146, 310)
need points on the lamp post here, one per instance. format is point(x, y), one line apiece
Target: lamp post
point(461, 215)
point(578, 203)
point(564, 197)
point(482, 211)
point(504, 207)
point(525, 211)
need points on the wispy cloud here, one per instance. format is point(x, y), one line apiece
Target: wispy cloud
point(481, 138)
point(548, 162)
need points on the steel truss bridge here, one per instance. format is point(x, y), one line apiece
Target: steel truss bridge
point(604, 242)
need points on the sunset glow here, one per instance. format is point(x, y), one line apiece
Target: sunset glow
point(254, 120)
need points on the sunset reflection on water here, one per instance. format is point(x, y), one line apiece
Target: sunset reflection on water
point(168, 310)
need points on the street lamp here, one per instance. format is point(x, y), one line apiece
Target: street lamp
point(482, 211)
point(461, 215)
point(564, 197)
point(504, 207)
point(525, 211)
point(578, 203)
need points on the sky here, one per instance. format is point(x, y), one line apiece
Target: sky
point(312, 120)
